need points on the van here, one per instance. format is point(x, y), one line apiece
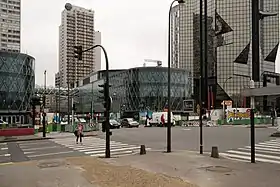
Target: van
point(156, 119)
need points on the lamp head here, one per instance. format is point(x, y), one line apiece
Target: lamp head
point(68, 6)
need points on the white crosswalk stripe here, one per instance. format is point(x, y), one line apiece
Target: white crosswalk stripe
point(93, 146)
point(268, 151)
point(4, 151)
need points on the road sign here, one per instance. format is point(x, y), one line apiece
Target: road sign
point(188, 105)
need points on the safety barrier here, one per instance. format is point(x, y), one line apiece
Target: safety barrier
point(16, 131)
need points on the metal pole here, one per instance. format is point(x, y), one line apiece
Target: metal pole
point(91, 109)
point(44, 104)
point(206, 54)
point(255, 67)
point(252, 136)
point(169, 83)
point(107, 112)
point(201, 79)
point(34, 112)
point(72, 104)
point(68, 102)
point(59, 102)
point(107, 99)
point(255, 41)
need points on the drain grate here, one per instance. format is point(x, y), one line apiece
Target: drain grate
point(51, 164)
point(218, 169)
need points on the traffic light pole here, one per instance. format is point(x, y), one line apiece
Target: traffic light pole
point(107, 97)
point(201, 80)
point(44, 104)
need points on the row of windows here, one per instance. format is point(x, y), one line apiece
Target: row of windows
point(11, 11)
point(10, 36)
point(10, 41)
point(11, 2)
point(10, 6)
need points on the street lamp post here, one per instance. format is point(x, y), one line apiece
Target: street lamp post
point(169, 78)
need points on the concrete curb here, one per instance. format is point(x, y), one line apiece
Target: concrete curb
point(26, 139)
point(276, 134)
point(258, 126)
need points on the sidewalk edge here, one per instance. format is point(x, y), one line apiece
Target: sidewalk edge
point(26, 139)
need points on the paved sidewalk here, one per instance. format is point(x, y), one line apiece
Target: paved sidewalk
point(82, 172)
point(205, 171)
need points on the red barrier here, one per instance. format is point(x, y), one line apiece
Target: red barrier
point(17, 132)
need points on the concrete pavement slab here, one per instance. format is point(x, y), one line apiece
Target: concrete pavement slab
point(203, 170)
point(54, 173)
point(82, 172)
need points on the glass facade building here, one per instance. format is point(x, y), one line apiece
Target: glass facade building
point(229, 46)
point(17, 82)
point(137, 89)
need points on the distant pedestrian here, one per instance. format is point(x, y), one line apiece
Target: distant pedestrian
point(79, 133)
point(162, 120)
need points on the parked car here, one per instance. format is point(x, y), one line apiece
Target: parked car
point(129, 122)
point(113, 124)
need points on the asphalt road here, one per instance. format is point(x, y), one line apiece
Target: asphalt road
point(33, 150)
point(126, 141)
point(187, 138)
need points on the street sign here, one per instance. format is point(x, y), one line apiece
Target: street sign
point(188, 105)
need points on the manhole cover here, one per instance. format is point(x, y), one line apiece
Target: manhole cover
point(50, 164)
point(218, 169)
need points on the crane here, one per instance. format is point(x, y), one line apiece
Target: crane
point(159, 62)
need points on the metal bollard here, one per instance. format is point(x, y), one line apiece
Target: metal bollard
point(142, 150)
point(215, 152)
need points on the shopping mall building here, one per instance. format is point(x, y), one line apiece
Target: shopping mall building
point(17, 82)
point(135, 90)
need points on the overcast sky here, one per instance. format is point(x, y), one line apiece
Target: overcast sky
point(132, 30)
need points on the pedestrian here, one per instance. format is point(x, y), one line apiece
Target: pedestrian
point(79, 133)
point(162, 120)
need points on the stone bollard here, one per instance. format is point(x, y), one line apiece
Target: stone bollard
point(142, 150)
point(215, 152)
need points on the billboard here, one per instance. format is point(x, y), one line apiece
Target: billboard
point(188, 105)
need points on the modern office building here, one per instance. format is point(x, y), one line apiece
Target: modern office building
point(17, 83)
point(136, 89)
point(77, 29)
point(229, 47)
point(10, 12)
point(57, 79)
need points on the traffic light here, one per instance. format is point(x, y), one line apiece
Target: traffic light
point(78, 50)
point(105, 96)
point(74, 107)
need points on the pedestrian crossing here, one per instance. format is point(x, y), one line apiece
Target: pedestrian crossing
point(268, 151)
point(93, 146)
point(4, 153)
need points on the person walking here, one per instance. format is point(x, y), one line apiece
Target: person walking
point(79, 133)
